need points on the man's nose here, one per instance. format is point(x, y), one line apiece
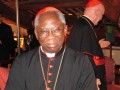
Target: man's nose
point(50, 33)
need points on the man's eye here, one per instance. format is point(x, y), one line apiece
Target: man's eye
point(57, 30)
point(43, 31)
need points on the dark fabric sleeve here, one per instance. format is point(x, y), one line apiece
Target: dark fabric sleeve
point(87, 79)
point(16, 76)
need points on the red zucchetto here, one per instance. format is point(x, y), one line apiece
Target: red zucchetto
point(92, 3)
point(47, 9)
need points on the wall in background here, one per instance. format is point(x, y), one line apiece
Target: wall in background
point(23, 31)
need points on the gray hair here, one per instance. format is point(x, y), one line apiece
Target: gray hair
point(60, 15)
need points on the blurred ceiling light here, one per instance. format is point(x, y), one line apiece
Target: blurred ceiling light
point(70, 14)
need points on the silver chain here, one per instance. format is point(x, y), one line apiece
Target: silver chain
point(43, 72)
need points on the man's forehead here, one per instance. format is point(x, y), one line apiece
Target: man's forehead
point(51, 22)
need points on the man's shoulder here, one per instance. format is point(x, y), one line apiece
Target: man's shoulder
point(73, 52)
point(6, 25)
point(27, 56)
point(81, 22)
point(76, 56)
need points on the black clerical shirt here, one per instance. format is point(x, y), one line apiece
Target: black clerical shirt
point(76, 72)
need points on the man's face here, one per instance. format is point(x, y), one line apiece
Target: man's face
point(50, 33)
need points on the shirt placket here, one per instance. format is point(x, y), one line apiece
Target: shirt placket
point(50, 74)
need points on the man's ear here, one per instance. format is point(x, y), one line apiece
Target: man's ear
point(36, 34)
point(65, 30)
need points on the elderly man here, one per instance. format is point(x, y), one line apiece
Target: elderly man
point(84, 39)
point(52, 66)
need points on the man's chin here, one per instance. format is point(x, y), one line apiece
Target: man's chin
point(53, 49)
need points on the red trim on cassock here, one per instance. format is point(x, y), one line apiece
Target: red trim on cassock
point(96, 59)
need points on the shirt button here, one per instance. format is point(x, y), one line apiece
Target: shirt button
point(51, 59)
point(49, 81)
point(48, 88)
point(49, 74)
point(51, 66)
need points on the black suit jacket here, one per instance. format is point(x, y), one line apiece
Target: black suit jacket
point(82, 38)
point(8, 44)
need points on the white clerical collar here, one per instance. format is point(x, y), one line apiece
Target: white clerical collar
point(87, 17)
point(49, 55)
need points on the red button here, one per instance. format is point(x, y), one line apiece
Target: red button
point(48, 88)
point(49, 74)
point(51, 59)
point(49, 81)
point(51, 66)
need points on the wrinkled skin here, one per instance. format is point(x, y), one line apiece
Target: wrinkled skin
point(50, 32)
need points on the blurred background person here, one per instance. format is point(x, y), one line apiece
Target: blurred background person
point(32, 41)
point(7, 43)
point(84, 39)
